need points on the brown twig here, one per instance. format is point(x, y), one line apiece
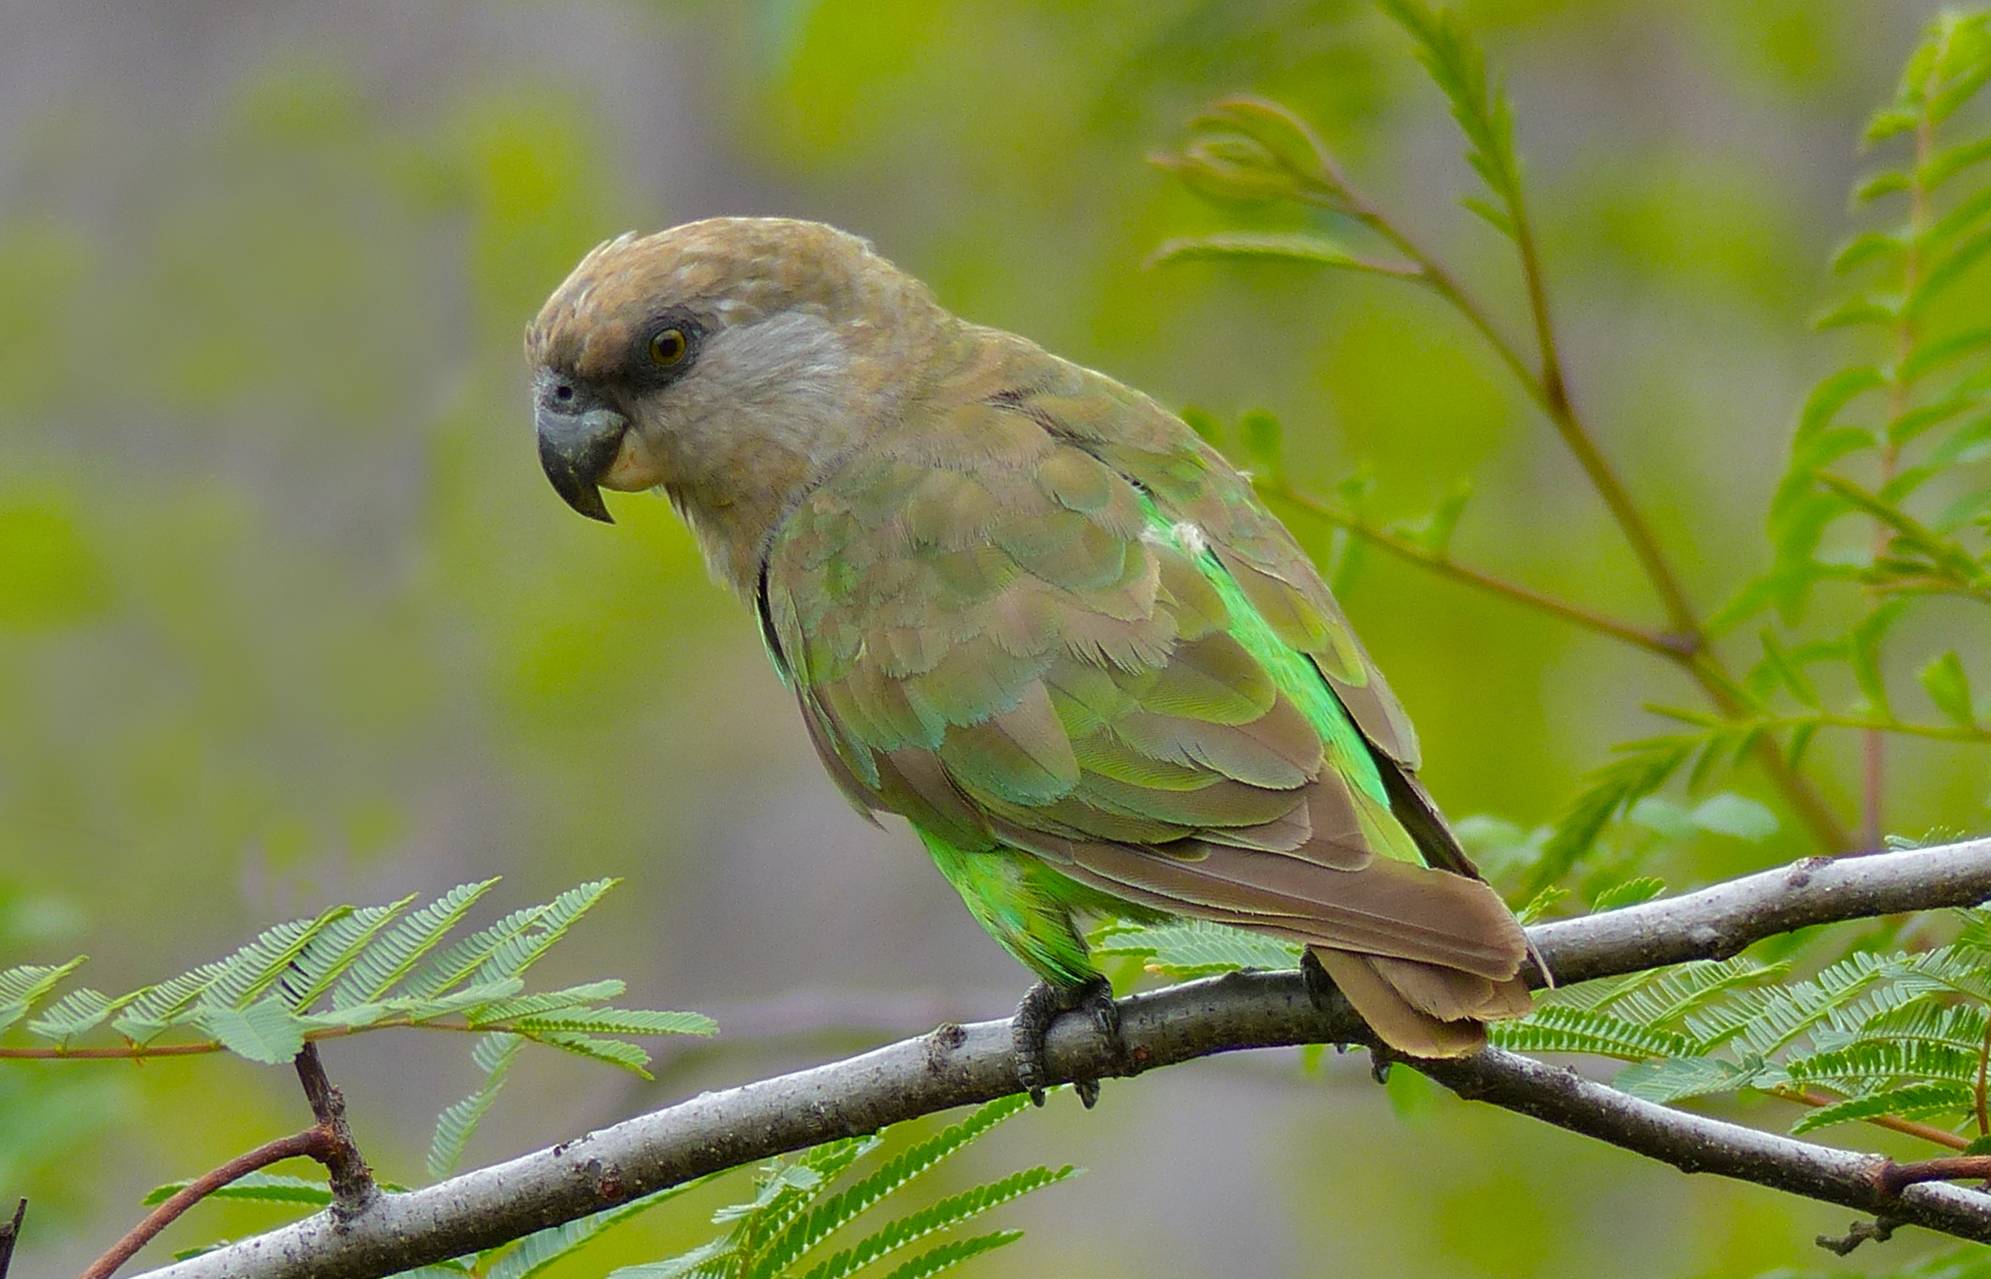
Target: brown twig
point(1893, 1123)
point(136, 1051)
point(1880, 1230)
point(313, 1143)
point(1873, 746)
point(10, 1234)
point(353, 1190)
point(1983, 1074)
point(329, 1141)
point(1660, 642)
point(1895, 1178)
point(1547, 385)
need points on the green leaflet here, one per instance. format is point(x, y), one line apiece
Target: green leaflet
point(1480, 108)
point(349, 970)
point(1874, 1035)
point(1182, 948)
point(22, 988)
point(805, 1202)
point(380, 967)
point(255, 1187)
point(536, 1252)
point(493, 1055)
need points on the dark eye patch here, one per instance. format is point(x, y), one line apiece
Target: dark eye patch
point(664, 348)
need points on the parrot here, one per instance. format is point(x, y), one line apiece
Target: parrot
point(1029, 610)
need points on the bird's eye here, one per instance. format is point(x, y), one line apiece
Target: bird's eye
point(668, 347)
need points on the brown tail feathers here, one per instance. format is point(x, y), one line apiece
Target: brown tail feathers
point(1422, 1009)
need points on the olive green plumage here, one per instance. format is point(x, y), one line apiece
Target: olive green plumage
point(1027, 609)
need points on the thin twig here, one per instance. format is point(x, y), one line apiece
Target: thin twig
point(329, 1141)
point(1666, 645)
point(1547, 387)
point(312, 1143)
point(1873, 784)
point(1895, 1178)
point(959, 1065)
point(1833, 719)
point(1893, 1123)
point(1873, 745)
point(1983, 1072)
point(1880, 1230)
point(200, 1047)
point(352, 1180)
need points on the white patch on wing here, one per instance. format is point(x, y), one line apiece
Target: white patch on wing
point(1181, 535)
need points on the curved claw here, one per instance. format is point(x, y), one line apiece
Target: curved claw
point(1041, 1006)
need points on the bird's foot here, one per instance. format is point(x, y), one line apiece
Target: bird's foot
point(1042, 1006)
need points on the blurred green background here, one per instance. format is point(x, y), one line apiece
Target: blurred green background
point(288, 615)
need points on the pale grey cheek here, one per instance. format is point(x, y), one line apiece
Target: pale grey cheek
point(784, 380)
point(781, 350)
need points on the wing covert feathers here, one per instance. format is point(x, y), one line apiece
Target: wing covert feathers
point(1041, 615)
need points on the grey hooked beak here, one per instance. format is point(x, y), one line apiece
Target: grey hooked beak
point(578, 440)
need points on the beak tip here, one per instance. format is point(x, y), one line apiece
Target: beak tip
point(573, 480)
point(586, 499)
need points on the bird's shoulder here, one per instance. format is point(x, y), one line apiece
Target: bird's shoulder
point(1033, 594)
point(973, 414)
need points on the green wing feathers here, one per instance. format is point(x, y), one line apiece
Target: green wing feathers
point(1046, 624)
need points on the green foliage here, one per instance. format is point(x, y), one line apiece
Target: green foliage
point(1479, 107)
point(1886, 489)
point(493, 1055)
point(349, 971)
point(1895, 443)
point(255, 1187)
point(1186, 948)
point(1613, 791)
point(1872, 1036)
point(23, 988)
point(798, 1207)
point(1297, 248)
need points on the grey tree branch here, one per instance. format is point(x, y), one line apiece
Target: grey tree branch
point(959, 1065)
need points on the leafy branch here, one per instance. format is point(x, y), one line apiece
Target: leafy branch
point(958, 1065)
point(347, 972)
point(1432, 553)
point(1252, 151)
point(1914, 415)
point(312, 1143)
point(1897, 1040)
point(800, 1207)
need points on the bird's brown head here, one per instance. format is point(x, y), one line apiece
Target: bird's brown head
point(726, 361)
